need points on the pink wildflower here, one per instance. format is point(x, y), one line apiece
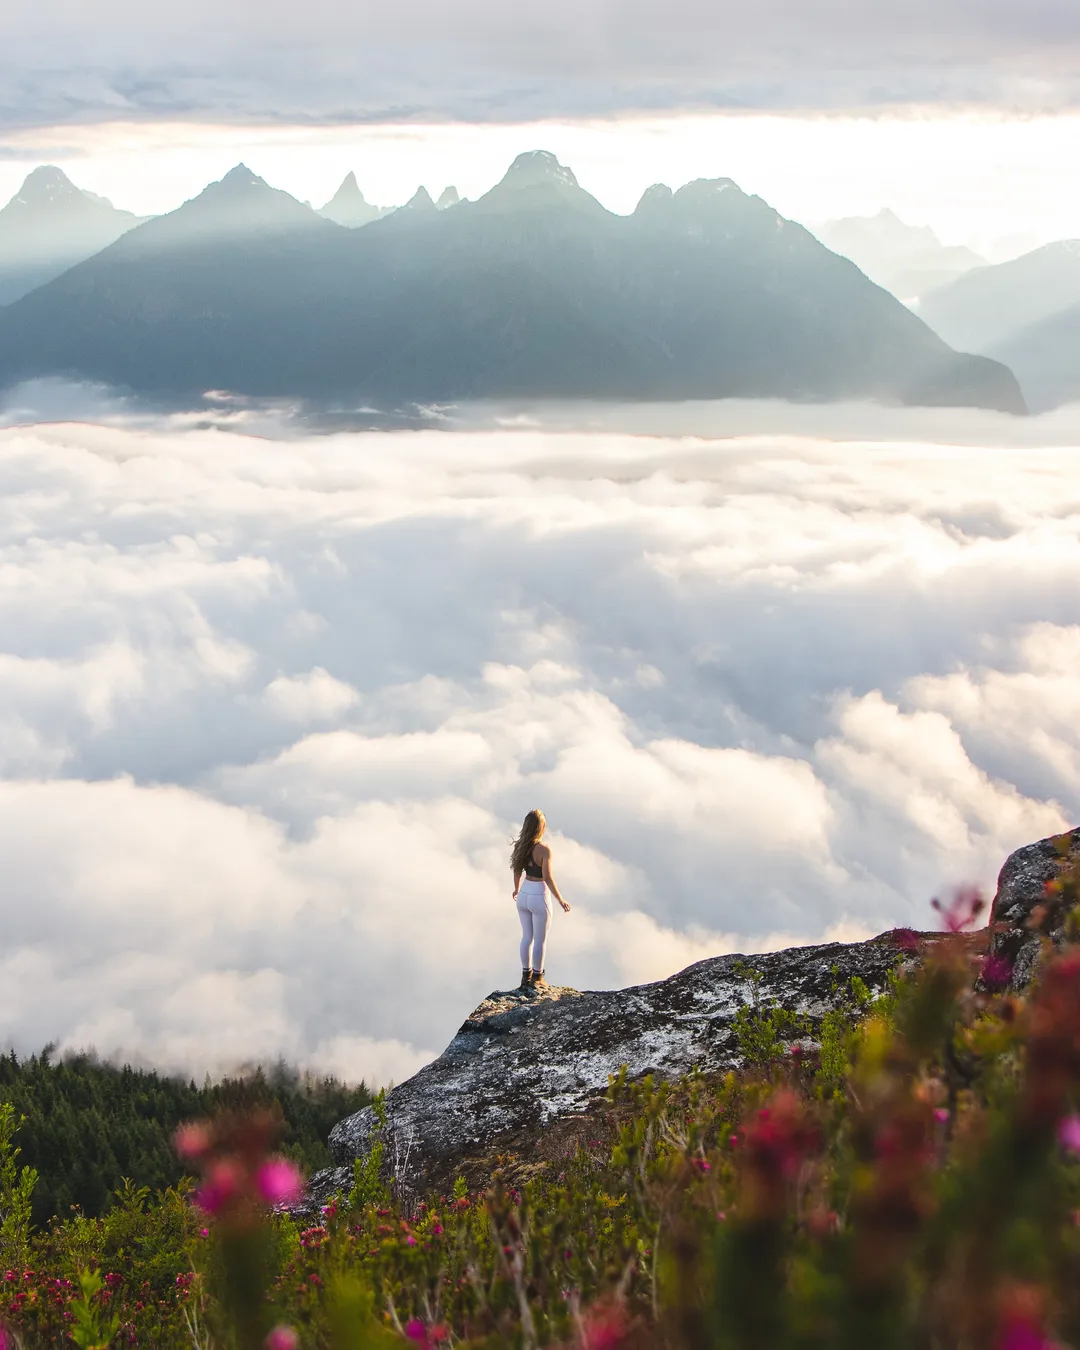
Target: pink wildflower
point(279, 1182)
point(416, 1331)
point(1069, 1134)
point(221, 1185)
point(1021, 1333)
point(996, 972)
point(604, 1329)
point(963, 909)
point(192, 1141)
point(941, 1115)
point(282, 1338)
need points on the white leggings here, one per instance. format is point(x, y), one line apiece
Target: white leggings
point(534, 911)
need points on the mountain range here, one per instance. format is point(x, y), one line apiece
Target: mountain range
point(49, 226)
point(991, 305)
point(349, 207)
point(534, 290)
point(908, 260)
point(1046, 358)
point(1025, 312)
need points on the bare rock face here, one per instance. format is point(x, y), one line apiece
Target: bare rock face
point(522, 1061)
point(1020, 890)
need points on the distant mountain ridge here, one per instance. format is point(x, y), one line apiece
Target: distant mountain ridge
point(349, 207)
point(1047, 359)
point(1024, 311)
point(534, 290)
point(49, 226)
point(991, 305)
point(908, 260)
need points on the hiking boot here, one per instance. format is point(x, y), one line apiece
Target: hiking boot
point(526, 979)
point(538, 981)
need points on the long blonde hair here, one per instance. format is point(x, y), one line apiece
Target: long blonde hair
point(531, 833)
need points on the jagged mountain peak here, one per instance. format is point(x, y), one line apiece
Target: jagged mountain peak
point(47, 190)
point(46, 184)
point(241, 203)
point(420, 201)
point(239, 178)
point(348, 191)
point(49, 226)
point(348, 206)
point(534, 167)
point(448, 197)
point(654, 198)
point(537, 177)
point(244, 190)
point(708, 189)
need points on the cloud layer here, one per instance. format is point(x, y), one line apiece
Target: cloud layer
point(475, 59)
point(271, 708)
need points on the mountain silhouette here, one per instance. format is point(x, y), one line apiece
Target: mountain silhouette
point(49, 226)
point(908, 260)
point(349, 207)
point(1047, 359)
point(534, 290)
point(987, 308)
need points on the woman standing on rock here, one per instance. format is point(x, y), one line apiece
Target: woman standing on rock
point(533, 858)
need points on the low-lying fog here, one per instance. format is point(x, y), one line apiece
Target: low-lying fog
point(271, 706)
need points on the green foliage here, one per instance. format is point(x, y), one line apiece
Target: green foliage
point(763, 1030)
point(87, 1125)
point(16, 1193)
point(369, 1187)
point(836, 1031)
point(910, 1180)
point(93, 1327)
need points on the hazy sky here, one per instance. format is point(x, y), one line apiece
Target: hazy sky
point(954, 112)
point(271, 708)
point(324, 60)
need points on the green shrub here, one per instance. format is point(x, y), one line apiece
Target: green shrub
point(907, 1180)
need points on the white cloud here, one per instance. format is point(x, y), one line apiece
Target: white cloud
point(314, 697)
point(273, 708)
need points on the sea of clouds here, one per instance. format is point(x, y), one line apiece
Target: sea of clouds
point(271, 707)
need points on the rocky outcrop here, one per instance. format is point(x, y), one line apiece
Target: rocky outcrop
point(1021, 889)
point(522, 1065)
point(521, 1062)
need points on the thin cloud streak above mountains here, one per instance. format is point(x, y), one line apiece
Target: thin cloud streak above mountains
point(271, 709)
point(477, 60)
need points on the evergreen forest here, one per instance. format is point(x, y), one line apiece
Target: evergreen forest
point(88, 1125)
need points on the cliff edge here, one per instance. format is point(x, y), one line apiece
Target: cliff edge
point(523, 1063)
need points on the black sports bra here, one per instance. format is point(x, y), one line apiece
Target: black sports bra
point(533, 870)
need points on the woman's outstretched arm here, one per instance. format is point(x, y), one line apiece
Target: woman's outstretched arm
point(551, 880)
